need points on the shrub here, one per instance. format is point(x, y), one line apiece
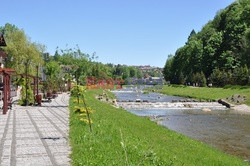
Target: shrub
point(200, 79)
point(241, 76)
point(77, 90)
point(30, 96)
point(220, 78)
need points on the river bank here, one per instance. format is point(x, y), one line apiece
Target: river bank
point(121, 138)
point(228, 94)
point(210, 122)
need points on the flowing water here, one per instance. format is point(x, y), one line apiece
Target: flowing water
point(225, 129)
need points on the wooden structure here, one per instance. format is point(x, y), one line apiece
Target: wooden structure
point(6, 72)
point(35, 86)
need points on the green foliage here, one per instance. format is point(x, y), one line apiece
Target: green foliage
point(192, 34)
point(132, 72)
point(167, 72)
point(121, 138)
point(181, 79)
point(239, 76)
point(73, 64)
point(223, 44)
point(77, 90)
point(200, 79)
point(22, 54)
point(30, 96)
point(21, 50)
point(53, 76)
point(82, 110)
point(52, 69)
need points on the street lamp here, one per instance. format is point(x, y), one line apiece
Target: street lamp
point(26, 85)
point(37, 77)
point(38, 98)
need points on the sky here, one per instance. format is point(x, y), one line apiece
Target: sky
point(132, 32)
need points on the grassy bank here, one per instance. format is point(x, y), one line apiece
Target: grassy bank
point(207, 93)
point(121, 138)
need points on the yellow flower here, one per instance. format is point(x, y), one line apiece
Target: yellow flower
point(86, 120)
point(83, 110)
point(82, 114)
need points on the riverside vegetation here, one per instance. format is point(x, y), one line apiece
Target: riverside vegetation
point(206, 93)
point(218, 54)
point(121, 138)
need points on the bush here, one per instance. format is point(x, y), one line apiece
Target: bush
point(77, 90)
point(241, 76)
point(181, 79)
point(200, 79)
point(220, 78)
point(30, 96)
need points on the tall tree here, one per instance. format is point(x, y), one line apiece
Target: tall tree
point(21, 50)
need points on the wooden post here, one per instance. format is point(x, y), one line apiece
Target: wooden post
point(37, 80)
point(34, 89)
point(5, 91)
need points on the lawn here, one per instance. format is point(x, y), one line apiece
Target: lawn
point(121, 138)
point(206, 93)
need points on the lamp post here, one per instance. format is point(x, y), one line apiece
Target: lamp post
point(26, 80)
point(37, 73)
point(38, 98)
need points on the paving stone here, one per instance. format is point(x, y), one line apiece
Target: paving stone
point(30, 161)
point(5, 161)
point(36, 135)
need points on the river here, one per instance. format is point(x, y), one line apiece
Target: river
point(222, 128)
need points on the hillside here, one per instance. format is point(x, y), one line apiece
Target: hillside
point(218, 54)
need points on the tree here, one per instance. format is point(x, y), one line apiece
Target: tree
point(192, 34)
point(200, 79)
point(222, 46)
point(167, 68)
point(20, 50)
point(139, 73)
point(53, 74)
point(181, 79)
point(132, 72)
point(57, 56)
point(241, 75)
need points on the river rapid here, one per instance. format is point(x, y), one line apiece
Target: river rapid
point(219, 127)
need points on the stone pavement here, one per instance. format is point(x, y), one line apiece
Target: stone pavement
point(36, 135)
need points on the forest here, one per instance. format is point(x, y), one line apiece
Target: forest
point(219, 54)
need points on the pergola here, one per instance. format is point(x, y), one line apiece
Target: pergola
point(35, 82)
point(6, 72)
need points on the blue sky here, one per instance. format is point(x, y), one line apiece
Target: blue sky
point(132, 32)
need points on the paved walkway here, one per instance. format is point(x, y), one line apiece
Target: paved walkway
point(36, 135)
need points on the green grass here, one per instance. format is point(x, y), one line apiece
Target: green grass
point(145, 142)
point(207, 93)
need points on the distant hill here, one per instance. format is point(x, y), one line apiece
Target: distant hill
point(218, 54)
point(150, 71)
